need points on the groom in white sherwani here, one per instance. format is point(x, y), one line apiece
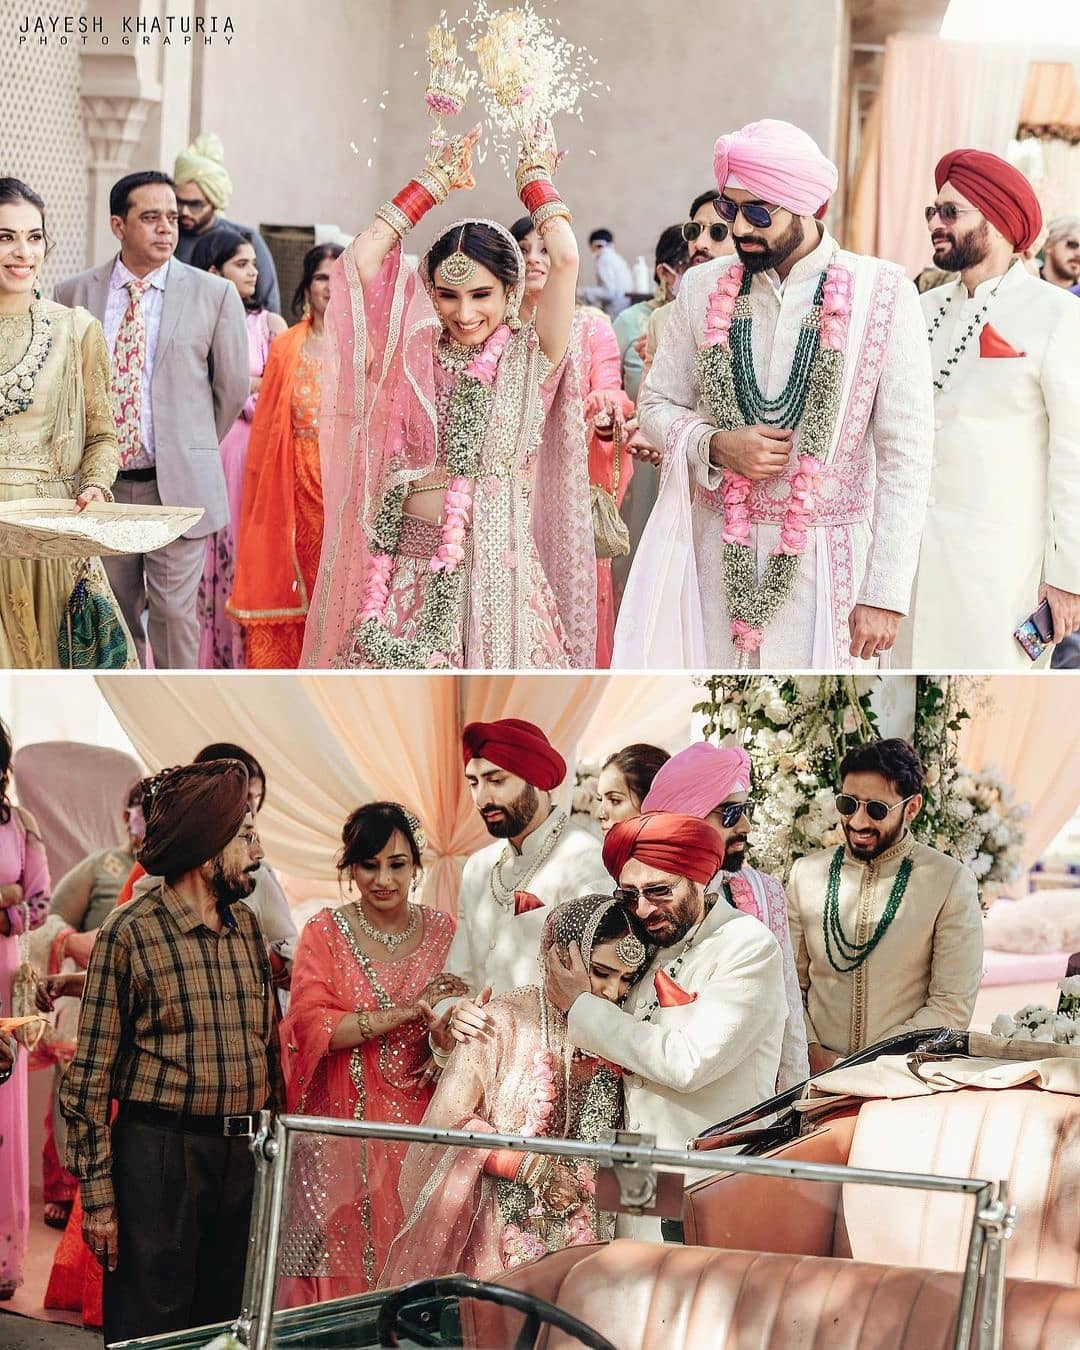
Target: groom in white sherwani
point(1003, 525)
point(791, 399)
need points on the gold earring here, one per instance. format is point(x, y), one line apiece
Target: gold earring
point(306, 311)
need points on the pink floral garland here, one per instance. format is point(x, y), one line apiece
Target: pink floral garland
point(458, 501)
point(735, 487)
point(518, 1244)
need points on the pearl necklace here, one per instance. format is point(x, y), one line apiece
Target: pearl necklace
point(503, 894)
point(945, 374)
point(17, 383)
point(391, 941)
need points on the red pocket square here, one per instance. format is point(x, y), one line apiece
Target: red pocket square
point(991, 343)
point(668, 993)
point(525, 902)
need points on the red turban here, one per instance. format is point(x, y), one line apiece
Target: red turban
point(195, 812)
point(518, 747)
point(1000, 192)
point(680, 845)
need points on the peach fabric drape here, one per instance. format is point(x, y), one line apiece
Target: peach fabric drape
point(1031, 733)
point(935, 95)
point(330, 742)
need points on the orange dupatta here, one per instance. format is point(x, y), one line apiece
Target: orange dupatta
point(269, 586)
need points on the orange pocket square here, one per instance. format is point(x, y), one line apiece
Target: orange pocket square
point(668, 993)
point(991, 343)
point(525, 902)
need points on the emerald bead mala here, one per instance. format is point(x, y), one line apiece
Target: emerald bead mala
point(786, 409)
point(853, 954)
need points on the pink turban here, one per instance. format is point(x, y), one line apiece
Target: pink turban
point(778, 163)
point(1000, 192)
point(682, 846)
point(698, 779)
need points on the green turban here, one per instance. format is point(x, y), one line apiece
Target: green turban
point(203, 162)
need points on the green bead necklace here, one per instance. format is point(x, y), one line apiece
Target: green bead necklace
point(786, 409)
point(853, 954)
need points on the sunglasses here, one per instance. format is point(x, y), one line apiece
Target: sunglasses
point(655, 895)
point(948, 211)
point(732, 812)
point(692, 230)
point(756, 214)
point(847, 805)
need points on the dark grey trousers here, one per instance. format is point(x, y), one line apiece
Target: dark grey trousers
point(184, 1209)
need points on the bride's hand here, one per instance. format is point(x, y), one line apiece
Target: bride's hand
point(438, 1028)
point(539, 150)
point(560, 1191)
point(453, 156)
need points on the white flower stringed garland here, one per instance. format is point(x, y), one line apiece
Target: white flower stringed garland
point(466, 426)
point(810, 400)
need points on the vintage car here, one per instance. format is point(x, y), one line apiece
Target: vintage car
point(819, 1221)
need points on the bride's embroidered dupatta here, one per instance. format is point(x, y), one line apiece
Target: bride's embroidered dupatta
point(378, 434)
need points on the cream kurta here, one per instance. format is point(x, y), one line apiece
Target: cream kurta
point(63, 442)
point(1004, 508)
point(925, 971)
point(492, 945)
point(872, 501)
point(692, 1066)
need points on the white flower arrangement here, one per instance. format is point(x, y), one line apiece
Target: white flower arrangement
point(797, 731)
point(1035, 1022)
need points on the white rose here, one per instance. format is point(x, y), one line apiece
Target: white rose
point(778, 711)
point(1002, 1025)
point(1070, 985)
point(933, 775)
point(964, 786)
point(1021, 1034)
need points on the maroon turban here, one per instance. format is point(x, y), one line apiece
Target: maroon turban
point(518, 747)
point(196, 811)
point(680, 845)
point(1000, 192)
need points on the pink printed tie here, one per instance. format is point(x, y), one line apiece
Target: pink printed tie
point(129, 359)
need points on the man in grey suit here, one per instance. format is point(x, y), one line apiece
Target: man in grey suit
point(188, 327)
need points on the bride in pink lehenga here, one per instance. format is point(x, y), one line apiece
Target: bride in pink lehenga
point(457, 534)
point(482, 1211)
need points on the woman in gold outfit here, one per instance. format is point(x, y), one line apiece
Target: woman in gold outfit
point(57, 436)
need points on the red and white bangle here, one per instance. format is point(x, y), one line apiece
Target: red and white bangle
point(405, 210)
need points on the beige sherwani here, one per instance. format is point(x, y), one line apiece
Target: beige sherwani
point(1004, 507)
point(925, 971)
point(494, 946)
point(865, 543)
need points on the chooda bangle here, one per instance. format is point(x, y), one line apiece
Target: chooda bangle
point(411, 204)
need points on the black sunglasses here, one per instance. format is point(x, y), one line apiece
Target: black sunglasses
point(754, 213)
point(847, 805)
point(655, 895)
point(692, 230)
point(948, 211)
point(732, 812)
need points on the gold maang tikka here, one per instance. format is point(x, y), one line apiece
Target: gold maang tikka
point(458, 269)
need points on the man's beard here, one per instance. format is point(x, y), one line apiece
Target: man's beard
point(197, 226)
point(773, 254)
point(516, 816)
point(735, 857)
point(228, 890)
point(882, 845)
point(680, 918)
point(700, 257)
point(966, 252)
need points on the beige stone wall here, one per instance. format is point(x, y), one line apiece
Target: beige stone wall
point(301, 85)
point(43, 141)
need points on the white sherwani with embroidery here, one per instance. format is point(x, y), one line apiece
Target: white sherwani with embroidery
point(494, 947)
point(1004, 508)
point(924, 972)
point(873, 490)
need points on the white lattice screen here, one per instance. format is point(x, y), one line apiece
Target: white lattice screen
point(43, 141)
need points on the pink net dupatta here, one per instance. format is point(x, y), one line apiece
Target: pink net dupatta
point(377, 428)
point(562, 511)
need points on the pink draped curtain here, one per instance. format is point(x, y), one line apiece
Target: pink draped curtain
point(935, 95)
point(1031, 733)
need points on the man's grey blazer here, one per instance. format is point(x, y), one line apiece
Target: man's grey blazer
point(201, 380)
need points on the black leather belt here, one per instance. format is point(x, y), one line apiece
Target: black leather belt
point(228, 1127)
point(137, 475)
